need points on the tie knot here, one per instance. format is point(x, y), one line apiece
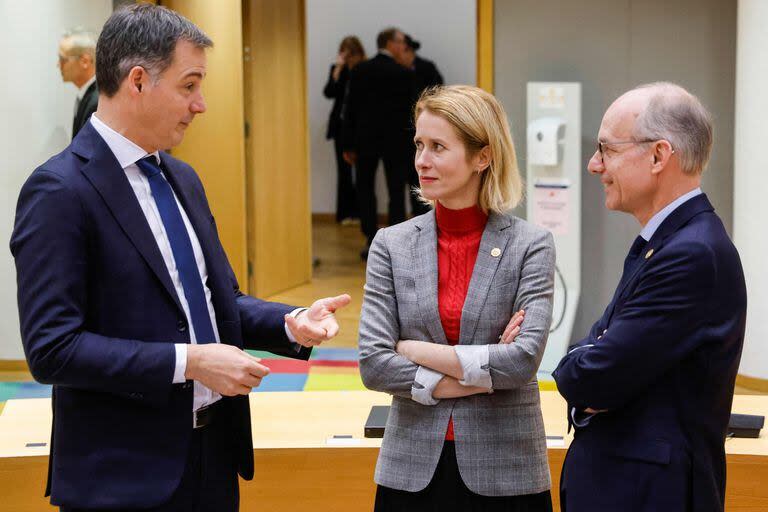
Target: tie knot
point(637, 246)
point(149, 166)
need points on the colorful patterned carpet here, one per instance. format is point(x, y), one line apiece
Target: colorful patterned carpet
point(329, 369)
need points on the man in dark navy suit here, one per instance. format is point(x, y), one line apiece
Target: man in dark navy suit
point(650, 388)
point(376, 126)
point(128, 305)
point(77, 63)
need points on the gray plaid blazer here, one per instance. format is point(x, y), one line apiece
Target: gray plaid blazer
point(500, 441)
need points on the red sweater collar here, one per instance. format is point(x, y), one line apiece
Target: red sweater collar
point(460, 221)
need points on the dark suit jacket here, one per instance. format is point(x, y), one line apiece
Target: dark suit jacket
point(378, 112)
point(99, 317)
point(426, 73)
point(662, 360)
point(334, 90)
point(87, 106)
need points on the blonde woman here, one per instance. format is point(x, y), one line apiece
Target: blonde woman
point(465, 431)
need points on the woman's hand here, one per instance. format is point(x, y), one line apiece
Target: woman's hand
point(513, 328)
point(341, 61)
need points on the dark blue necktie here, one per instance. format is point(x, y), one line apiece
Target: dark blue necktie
point(630, 262)
point(181, 246)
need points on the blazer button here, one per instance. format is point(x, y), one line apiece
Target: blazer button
point(181, 325)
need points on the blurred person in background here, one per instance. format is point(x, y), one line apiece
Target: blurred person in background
point(77, 63)
point(376, 124)
point(425, 75)
point(351, 53)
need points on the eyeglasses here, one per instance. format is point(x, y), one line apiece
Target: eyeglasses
point(601, 145)
point(65, 58)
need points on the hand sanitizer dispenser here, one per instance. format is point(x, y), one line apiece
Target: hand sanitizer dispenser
point(545, 141)
point(553, 199)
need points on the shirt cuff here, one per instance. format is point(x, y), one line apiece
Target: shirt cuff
point(424, 385)
point(181, 363)
point(474, 361)
point(580, 418)
point(294, 314)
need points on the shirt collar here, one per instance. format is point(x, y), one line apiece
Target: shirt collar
point(386, 52)
point(657, 219)
point(126, 151)
point(86, 85)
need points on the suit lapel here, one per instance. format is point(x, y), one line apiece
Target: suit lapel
point(677, 219)
point(108, 178)
point(424, 254)
point(495, 236)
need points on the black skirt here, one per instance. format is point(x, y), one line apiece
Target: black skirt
point(447, 492)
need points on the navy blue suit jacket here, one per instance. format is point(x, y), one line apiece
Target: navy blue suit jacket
point(662, 362)
point(99, 317)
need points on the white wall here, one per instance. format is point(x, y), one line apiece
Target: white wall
point(36, 111)
point(750, 208)
point(446, 30)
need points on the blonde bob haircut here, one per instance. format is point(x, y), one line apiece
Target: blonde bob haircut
point(479, 120)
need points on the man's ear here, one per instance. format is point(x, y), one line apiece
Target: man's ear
point(137, 79)
point(662, 152)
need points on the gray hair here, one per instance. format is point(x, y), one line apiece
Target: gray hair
point(141, 35)
point(677, 116)
point(81, 42)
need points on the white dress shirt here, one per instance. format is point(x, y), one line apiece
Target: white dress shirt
point(127, 154)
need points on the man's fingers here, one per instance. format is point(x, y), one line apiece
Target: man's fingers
point(334, 303)
point(312, 331)
point(306, 333)
point(251, 381)
point(332, 330)
point(257, 370)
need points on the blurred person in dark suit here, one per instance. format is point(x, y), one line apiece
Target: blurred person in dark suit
point(77, 63)
point(351, 53)
point(425, 76)
point(376, 126)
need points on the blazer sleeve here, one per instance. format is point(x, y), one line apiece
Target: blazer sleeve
point(654, 330)
point(49, 244)
point(515, 364)
point(381, 367)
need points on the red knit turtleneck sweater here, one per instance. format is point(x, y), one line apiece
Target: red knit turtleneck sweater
point(458, 242)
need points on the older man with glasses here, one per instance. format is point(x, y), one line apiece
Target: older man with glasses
point(650, 387)
point(77, 63)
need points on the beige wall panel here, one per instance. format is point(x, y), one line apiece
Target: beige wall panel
point(215, 143)
point(279, 227)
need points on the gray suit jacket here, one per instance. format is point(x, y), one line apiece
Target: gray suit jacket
point(500, 441)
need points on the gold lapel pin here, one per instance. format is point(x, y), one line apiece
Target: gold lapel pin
point(649, 254)
point(495, 252)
